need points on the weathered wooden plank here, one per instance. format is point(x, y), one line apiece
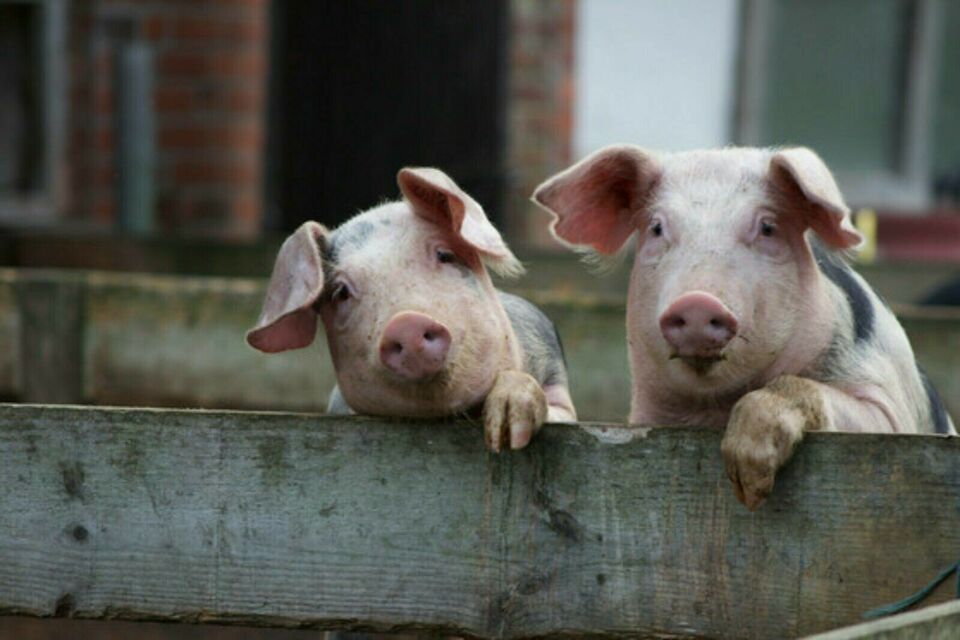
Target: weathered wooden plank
point(9, 337)
point(51, 337)
point(940, 622)
point(310, 521)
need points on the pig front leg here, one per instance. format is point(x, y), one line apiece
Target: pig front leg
point(766, 425)
point(513, 411)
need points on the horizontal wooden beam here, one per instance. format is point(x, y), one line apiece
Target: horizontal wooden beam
point(300, 520)
point(178, 342)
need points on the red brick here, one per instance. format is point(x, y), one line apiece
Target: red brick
point(238, 98)
point(182, 63)
point(102, 176)
point(256, 5)
point(238, 137)
point(247, 63)
point(237, 172)
point(103, 101)
point(154, 28)
point(212, 28)
point(245, 208)
point(172, 99)
point(104, 208)
point(218, 63)
point(103, 139)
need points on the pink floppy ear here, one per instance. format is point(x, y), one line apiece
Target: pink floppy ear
point(435, 197)
point(805, 182)
point(601, 200)
point(287, 320)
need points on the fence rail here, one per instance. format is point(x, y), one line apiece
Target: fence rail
point(107, 338)
point(296, 520)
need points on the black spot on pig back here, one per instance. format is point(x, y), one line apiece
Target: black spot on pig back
point(839, 273)
point(543, 354)
point(938, 412)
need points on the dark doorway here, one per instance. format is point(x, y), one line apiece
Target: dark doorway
point(361, 88)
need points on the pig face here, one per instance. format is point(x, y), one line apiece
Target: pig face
point(413, 323)
point(724, 292)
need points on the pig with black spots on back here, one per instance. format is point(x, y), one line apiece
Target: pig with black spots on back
point(414, 324)
point(742, 312)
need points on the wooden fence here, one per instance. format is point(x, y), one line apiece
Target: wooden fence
point(108, 338)
point(305, 521)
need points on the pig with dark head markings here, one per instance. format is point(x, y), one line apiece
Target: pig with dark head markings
point(414, 324)
point(742, 312)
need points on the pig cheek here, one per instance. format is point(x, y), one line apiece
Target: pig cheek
point(643, 321)
point(772, 321)
point(478, 342)
point(350, 352)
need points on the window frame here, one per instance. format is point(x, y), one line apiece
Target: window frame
point(908, 187)
point(44, 204)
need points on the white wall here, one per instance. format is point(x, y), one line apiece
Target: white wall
point(658, 73)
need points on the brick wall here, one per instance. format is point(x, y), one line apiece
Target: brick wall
point(210, 94)
point(211, 61)
point(540, 108)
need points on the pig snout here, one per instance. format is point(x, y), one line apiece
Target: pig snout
point(414, 345)
point(697, 325)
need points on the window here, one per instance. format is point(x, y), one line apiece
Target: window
point(31, 109)
point(870, 84)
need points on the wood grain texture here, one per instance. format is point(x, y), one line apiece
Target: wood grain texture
point(308, 521)
point(51, 326)
point(940, 622)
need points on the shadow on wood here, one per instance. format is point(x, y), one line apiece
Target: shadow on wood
point(304, 521)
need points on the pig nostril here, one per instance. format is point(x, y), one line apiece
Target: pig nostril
point(715, 323)
point(395, 347)
point(428, 336)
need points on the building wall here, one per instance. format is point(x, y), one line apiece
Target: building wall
point(211, 68)
point(657, 74)
point(540, 108)
point(211, 61)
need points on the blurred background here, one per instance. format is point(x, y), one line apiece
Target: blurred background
point(238, 119)
point(154, 153)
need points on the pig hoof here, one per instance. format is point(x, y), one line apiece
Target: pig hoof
point(513, 411)
point(763, 430)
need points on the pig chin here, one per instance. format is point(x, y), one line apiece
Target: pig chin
point(700, 365)
point(439, 394)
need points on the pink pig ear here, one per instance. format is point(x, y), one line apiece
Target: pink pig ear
point(803, 178)
point(287, 320)
point(435, 197)
point(601, 200)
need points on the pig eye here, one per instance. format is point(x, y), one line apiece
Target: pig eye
point(656, 228)
point(340, 293)
point(767, 228)
point(445, 256)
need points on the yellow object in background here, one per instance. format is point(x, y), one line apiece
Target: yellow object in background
point(865, 221)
